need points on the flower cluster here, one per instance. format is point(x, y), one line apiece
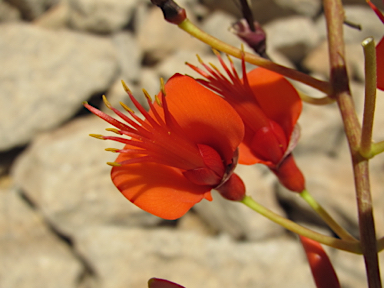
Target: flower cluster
point(270, 107)
point(185, 147)
point(191, 139)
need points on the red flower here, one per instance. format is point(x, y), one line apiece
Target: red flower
point(379, 51)
point(269, 106)
point(185, 147)
point(322, 269)
point(162, 283)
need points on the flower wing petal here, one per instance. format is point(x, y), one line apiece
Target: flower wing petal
point(380, 64)
point(205, 117)
point(277, 97)
point(158, 189)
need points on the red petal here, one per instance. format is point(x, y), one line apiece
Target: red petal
point(290, 175)
point(277, 98)
point(321, 267)
point(157, 189)
point(233, 189)
point(380, 64)
point(162, 283)
point(205, 117)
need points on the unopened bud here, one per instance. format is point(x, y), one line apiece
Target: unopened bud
point(173, 13)
point(290, 175)
point(233, 189)
point(255, 39)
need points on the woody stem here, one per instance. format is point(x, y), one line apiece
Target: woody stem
point(334, 14)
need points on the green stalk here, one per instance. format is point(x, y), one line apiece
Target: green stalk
point(215, 43)
point(340, 231)
point(350, 246)
point(370, 97)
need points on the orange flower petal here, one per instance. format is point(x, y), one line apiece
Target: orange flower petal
point(277, 98)
point(380, 64)
point(205, 117)
point(157, 189)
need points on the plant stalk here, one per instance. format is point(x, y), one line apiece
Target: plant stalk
point(334, 15)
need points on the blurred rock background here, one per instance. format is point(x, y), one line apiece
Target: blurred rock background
point(63, 224)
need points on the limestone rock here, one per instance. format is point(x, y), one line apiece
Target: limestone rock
point(46, 76)
point(65, 175)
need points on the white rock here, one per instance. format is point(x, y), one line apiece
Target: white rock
point(32, 256)
point(30, 9)
point(129, 257)
point(158, 38)
point(101, 16)
point(238, 220)
point(362, 15)
point(65, 174)
point(46, 76)
point(128, 54)
point(293, 36)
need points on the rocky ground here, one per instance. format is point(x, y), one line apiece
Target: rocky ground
point(63, 224)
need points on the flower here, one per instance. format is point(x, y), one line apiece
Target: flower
point(269, 106)
point(162, 283)
point(379, 50)
point(185, 147)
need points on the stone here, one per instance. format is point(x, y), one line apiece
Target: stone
point(238, 220)
point(129, 257)
point(101, 16)
point(65, 175)
point(315, 63)
point(158, 38)
point(362, 15)
point(283, 35)
point(308, 8)
point(8, 12)
point(129, 55)
point(48, 74)
point(31, 9)
point(31, 255)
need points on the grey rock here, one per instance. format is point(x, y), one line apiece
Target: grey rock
point(131, 256)
point(46, 76)
point(102, 16)
point(65, 175)
point(31, 256)
point(8, 12)
point(238, 220)
point(129, 55)
point(362, 15)
point(294, 36)
point(317, 60)
point(158, 38)
point(320, 129)
point(309, 8)
point(31, 9)
point(218, 24)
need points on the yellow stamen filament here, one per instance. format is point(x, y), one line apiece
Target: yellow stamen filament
point(146, 94)
point(162, 87)
point(125, 87)
point(106, 102)
point(126, 108)
point(113, 164)
point(114, 150)
point(97, 136)
point(113, 130)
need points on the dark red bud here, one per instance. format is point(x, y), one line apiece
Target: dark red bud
point(173, 13)
point(233, 189)
point(162, 283)
point(322, 270)
point(256, 39)
point(290, 175)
